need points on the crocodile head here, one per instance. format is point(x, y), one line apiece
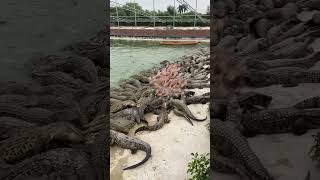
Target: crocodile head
point(65, 132)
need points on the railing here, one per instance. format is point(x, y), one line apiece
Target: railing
point(147, 18)
point(164, 19)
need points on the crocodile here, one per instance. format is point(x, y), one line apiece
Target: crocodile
point(247, 100)
point(233, 145)
point(286, 12)
point(197, 85)
point(64, 162)
point(133, 82)
point(34, 140)
point(287, 76)
point(312, 102)
point(128, 86)
point(58, 77)
point(118, 106)
point(20, 88)
point(161, 120)
point(131, 143)
point(92, 103)
point(261, 27)
point(34, 115)
point(130, 114)
point(304, 62)
point(202, 99)
point(294, 31)
point(79, 67)
point(254, 46)
point(181, 106)
point(294, 50)
point(100, 154)
point(143, 103)
point(280, 120)
point(95, 51)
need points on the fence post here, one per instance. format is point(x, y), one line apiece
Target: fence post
point(154, 15)
point(117, 13)
point(195, 16)
point(174, 13)
point(135, 13)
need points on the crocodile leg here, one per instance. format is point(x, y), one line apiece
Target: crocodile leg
point(179, 113)
point(162, 119)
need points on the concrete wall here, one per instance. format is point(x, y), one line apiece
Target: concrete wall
point(162, 33)
point(44, 26)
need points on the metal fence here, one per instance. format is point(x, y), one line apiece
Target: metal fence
point(150, 19)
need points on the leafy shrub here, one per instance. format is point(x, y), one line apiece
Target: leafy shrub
point(199, 167)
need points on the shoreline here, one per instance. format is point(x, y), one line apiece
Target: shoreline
point(148, 39)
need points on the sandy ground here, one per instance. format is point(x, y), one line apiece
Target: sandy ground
point(171, 145)
point(285, 155)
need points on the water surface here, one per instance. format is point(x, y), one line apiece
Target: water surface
point(130, 57)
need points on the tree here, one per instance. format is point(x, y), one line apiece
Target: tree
point(182, 8)
point(171, 10)
point(129, 8)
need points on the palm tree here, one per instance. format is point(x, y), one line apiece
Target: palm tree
point(182, 8)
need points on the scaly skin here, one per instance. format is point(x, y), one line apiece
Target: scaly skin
point(305, 62)
point(181, 106)
point(34, 115)
point(223, 164)
point(118, 106)
point(100, 154)
point(131, 114)
point(287, 76)
point(64, 162)
point(232, 145)
point(161, 120)
point(132, 143)
point(280, 121)
point(49, 78)
point(248, 99)
point(197, 85)
point(143, 103)
point(312, 102)
point(80, 67)
point(33, 141)
point(198, 99)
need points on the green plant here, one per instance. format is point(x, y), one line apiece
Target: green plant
point(315, 149)
point(199, 167)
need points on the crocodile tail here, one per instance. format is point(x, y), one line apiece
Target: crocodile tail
point(147, 149)
point(200, 119)
point(142, 128)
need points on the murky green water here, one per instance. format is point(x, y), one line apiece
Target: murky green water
point(130, 57)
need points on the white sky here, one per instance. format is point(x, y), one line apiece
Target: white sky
point(162, 4)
